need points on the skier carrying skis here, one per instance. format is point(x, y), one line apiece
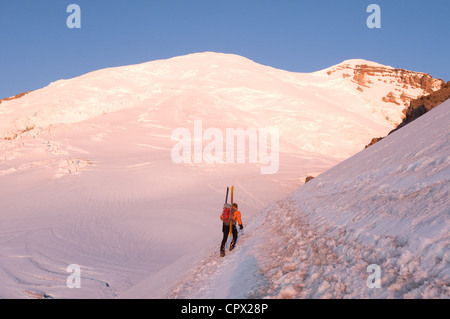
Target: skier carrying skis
point(230, 216)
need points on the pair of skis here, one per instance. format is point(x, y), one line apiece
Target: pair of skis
point(231, 210)
point(230, 235)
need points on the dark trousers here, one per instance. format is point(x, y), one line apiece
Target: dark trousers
point(226, 231)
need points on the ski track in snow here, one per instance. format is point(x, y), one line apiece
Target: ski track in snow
point(314, 261)
point(219, 277)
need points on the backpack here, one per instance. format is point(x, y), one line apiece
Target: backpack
point(226, 214)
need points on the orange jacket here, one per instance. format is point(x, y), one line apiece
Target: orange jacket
point(236, 217)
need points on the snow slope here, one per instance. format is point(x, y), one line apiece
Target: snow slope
point(386, 206)
point(86, 175)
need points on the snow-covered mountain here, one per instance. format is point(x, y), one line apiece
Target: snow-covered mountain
point(88, 177)
point(350, 96)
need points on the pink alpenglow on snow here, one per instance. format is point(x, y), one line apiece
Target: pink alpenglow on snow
point(111, 172)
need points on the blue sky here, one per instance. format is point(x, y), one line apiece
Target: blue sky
point(37, 47)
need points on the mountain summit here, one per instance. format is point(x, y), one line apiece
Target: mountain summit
point(391, 85)
point(353, 96)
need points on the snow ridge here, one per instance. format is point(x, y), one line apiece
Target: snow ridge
point(387, 206)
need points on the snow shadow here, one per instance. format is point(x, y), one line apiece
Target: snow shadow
point(248, 280)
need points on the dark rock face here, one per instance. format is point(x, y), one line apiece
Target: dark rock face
point(308, 178)
point(374, 140)
point(420, 106)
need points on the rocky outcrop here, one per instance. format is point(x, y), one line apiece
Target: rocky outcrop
point(308, 178)
point(365, 74)
point(373, 141)
point(390, 98)
point(18, 96)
